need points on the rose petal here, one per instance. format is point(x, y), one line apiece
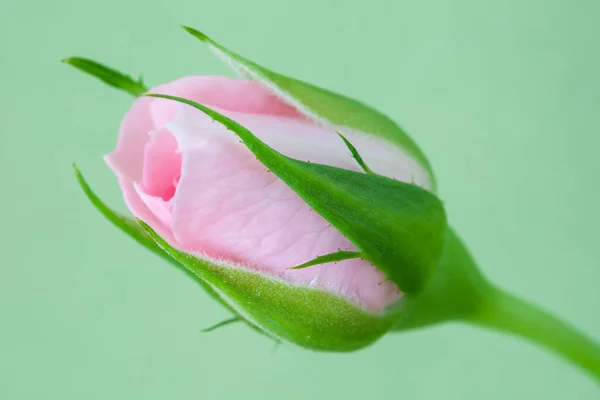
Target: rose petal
point(126, 161)
point(161, 165)
point(161, 208)
point(221, 92)
point(228, 205)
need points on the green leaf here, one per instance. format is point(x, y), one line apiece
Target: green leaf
point(303, 315)
point(135, 231)
point(333, 257)
point(398, 227)
point(108, 75)
point(321, 104)
point(356, 155)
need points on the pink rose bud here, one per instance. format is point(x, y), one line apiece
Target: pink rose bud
point(309, 215)
point(205, 194)
point(312, 237)
point(203, 191)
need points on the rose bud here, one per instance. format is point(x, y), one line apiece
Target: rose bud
point(309, 215)
point(203, 192)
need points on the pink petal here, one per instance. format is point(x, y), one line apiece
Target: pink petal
point(162, 209)
point(161, 166)
point(221, 92)
point(226, 204)
point(229, 206)
point(126, 161)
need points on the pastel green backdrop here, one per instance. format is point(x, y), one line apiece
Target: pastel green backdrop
point(503, 97)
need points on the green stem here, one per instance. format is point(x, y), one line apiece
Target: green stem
point(508, 313)
point(458, 291)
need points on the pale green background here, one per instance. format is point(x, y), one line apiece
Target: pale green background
point(503, 96)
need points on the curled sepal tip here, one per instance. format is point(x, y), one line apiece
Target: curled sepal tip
point(355, 154)
point(332, 257)
point(108, 75)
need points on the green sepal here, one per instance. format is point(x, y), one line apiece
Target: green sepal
point(321, 104)
point(108, 75)
point(398, 227)
point(221, 324)
point(126, 224)
point(306, 316)
point(135, 231)
point(332, 257)
point(355, 154)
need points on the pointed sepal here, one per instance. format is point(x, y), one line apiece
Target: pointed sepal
point(108, 75)
point(332, 257)
point(356, 154)
point(223, 323)
point(134, 230)
point(306, 316)
point(322, 105)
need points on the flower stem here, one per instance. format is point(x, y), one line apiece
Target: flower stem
point(508, 313)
